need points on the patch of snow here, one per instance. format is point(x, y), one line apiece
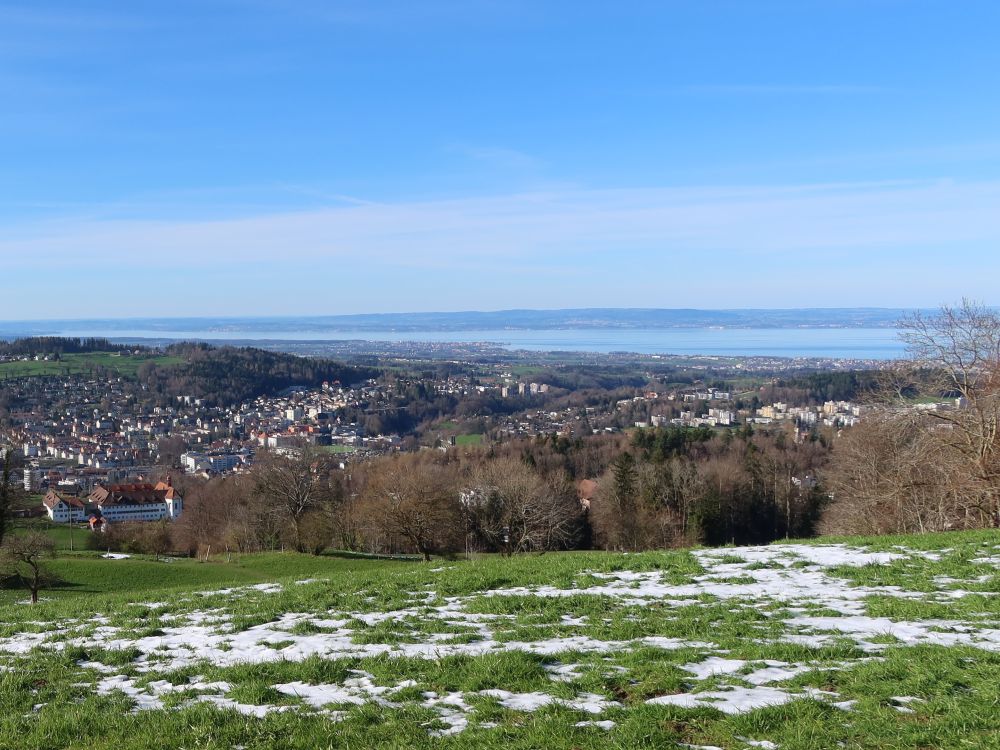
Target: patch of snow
point(766, 744)
point(606, 725)
point(734, 700)
point(714, 665)
point(227, 704)
point(933, 632)
point(587, 702)
point(143, 700)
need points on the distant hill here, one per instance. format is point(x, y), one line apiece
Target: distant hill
point(230, 375)
point(220, 375)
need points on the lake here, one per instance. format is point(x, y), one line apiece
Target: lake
point(840, 343)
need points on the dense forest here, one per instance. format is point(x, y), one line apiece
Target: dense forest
point(819, 387)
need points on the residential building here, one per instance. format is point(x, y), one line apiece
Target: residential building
point(137, 502)
point(64, 508)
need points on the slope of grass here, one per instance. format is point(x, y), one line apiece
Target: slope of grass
point(885, 643)
point(75, 364)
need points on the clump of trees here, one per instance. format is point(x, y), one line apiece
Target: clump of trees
point(8, 491)
point(135, 538)
point(285, 502)
point(911, 469)
point(679, 486)
point(661, 488)
point(427, 503)
point(33, 345)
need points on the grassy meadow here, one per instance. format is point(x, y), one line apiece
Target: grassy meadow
point(856, 643)
point(75, 364)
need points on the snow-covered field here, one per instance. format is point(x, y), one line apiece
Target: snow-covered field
point(734, 631)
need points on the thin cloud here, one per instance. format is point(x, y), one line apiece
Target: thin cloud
point(780, 89)
point(395, 14)
point(13, 17)
point(498, 156)
point(739, 223)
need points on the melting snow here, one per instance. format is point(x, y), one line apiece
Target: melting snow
point(796, 576)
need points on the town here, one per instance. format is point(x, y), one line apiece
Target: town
point(77, 433)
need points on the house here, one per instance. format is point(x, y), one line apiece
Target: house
point(64, 508)
point(137, 502)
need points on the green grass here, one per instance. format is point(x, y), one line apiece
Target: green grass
point(522, 371)
point(47, 700)
point(468, 440)
point(337, 449)
point(75, 364)
point(64, 538)
point(86, 574)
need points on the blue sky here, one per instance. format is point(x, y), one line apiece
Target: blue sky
point(260, 157)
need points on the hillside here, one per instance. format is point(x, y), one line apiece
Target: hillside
point(220, 375)
point(861, 643)
point(230, 375)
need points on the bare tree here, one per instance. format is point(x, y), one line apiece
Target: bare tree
point(419, 503)
point(291, 488)
point(512, 509)
point(890, 475)
point(157, 539)
point(919, 466)
point(21, 557)
point(959, 348)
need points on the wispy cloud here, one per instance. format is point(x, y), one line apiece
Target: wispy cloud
point(498, 156)
point(29, 16)
point(399, 14)
point(780, 89)
point(670, 224)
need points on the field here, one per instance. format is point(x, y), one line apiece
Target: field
point(853, 643)
point(83, 364)
point(337, 449)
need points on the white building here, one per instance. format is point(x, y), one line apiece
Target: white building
point(64, 508)
point(137, 502)
point(216, 463)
